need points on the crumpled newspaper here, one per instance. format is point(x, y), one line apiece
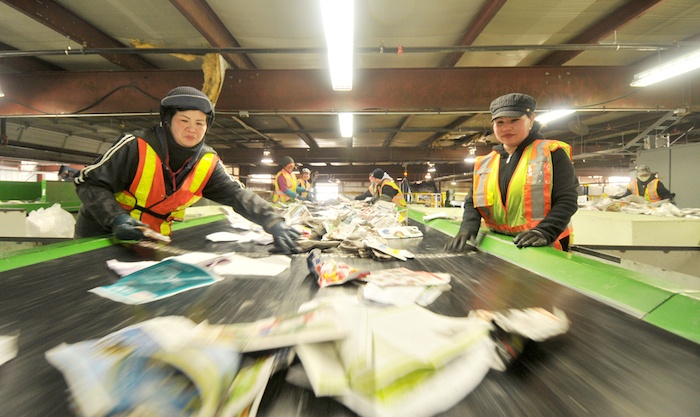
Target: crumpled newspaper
point(408, 361)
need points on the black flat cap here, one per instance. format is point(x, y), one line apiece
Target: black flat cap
point(512, 105)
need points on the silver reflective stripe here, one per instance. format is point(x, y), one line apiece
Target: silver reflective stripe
point(538, 181)
point(483, 174)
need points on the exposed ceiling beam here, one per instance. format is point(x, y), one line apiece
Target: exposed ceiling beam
point(474, 29)
point(390, 138)
point(67, 23)
point(299, 130)
point(612, 21)
point(451, 126)
point(207, 22)
point(410, 90)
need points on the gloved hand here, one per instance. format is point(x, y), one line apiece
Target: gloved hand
point(285, 237)
point(532, 237)
point(125, 227)
point(464, 240)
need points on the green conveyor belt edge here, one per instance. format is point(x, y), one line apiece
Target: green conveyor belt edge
point(27, 257)
point(674, 310)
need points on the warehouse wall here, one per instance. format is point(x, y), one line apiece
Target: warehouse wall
point(679, 169)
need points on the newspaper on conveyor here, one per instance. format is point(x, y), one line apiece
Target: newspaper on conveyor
point(171, 366)
point(398, 361)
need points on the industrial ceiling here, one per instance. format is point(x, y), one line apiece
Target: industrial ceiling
point(77, 73)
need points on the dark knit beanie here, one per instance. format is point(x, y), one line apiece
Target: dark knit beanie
point(286, 161)
point(185, 98)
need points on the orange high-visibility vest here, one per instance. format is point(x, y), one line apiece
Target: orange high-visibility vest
point(291, 184)
point(398, 199)
point(651, 193)
point(522, 211)
point(146, 198)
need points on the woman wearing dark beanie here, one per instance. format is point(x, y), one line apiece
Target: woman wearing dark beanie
point(148, 178)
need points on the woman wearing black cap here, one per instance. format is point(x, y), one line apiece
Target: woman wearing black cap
point(386, 188)
point(149, 177)
point(526, 187)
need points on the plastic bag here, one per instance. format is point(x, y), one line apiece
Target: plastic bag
point(51, 222)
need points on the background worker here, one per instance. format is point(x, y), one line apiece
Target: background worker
point(386, 188)
point(647, 186)
point(286, 186)
point(305, 182)
point(526, 187)
point(371, 190)
point(148, 178)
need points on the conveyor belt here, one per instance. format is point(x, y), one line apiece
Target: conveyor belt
point(609, 364)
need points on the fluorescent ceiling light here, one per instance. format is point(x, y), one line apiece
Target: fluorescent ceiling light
point(345, 120)
point(545, 118)
point(678, 66)
point(339, 26)
point(470, 159)
point(317, 164)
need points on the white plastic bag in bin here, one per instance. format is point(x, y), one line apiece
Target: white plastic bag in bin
point(51, 222)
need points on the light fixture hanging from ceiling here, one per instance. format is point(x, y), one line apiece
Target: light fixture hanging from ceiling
point(339, 25)
point(672, 68)
point(472, 155)
point(267, 156)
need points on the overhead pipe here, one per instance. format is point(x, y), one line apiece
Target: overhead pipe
point(362, 50)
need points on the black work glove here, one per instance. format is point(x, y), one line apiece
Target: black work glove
point(285, 237)
point(464, 240)
point(125, 227)
point(532, 237)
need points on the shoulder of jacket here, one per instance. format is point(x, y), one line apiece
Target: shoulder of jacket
point(208, 149)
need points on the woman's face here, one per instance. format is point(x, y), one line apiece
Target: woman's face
point(188, 127)
point(512, 131)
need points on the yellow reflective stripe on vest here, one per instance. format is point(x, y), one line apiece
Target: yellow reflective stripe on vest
point(201, 173)
point(149, 172)
point(652, 191)
point(485, 183)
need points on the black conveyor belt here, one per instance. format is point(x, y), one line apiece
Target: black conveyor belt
point(608, 364)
